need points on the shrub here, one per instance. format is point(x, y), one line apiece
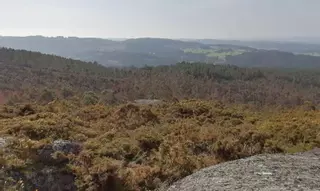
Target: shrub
point(90, 98)
point(47, 96)
point(136, 147)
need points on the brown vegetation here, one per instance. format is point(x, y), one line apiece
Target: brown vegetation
point(28, 76)
point(131, 147)
point(119, 145)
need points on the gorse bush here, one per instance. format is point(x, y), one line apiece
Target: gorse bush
point(47, 96)
point(141, 147)
point(90, 98)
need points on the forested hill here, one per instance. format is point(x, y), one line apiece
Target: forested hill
point(26, 76)
point(23, 74)
point(37, 60)
point(132, 52)
point(273, 59)
point(302, 47)
point(156, 51)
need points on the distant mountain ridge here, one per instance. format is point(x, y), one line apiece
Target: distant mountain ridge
point(157, 51)
point(107, 52)
point(274, 59)
point(295, 46)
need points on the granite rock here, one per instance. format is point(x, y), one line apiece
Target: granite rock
point(277, 172)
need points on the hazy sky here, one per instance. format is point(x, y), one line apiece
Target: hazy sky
point(161, 18)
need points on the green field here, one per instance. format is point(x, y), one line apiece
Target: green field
point(312, 54)
point(220, 53)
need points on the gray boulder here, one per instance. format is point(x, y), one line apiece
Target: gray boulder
point(51, 174)
point(46, 178)
point(3, 142)
point(51, 179)
point(66, 146)
point(277, 172)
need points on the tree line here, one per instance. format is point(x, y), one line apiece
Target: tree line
point(28, 76)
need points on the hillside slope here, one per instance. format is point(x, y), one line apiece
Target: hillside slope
point(274, 59)
point(286, 46)
point(81, 121)
point(26, 75)
point(30, 76)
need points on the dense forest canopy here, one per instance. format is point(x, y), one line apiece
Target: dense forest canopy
point(25, 75)
point(274, 59)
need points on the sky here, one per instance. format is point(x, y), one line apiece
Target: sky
point(216, 19)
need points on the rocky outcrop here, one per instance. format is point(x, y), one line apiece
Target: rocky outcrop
point(277, 172)
point(49, 174)
point(45, 154)
point(3, 142)
point(50, 178)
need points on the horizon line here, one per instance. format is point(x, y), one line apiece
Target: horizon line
point(289, 39)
